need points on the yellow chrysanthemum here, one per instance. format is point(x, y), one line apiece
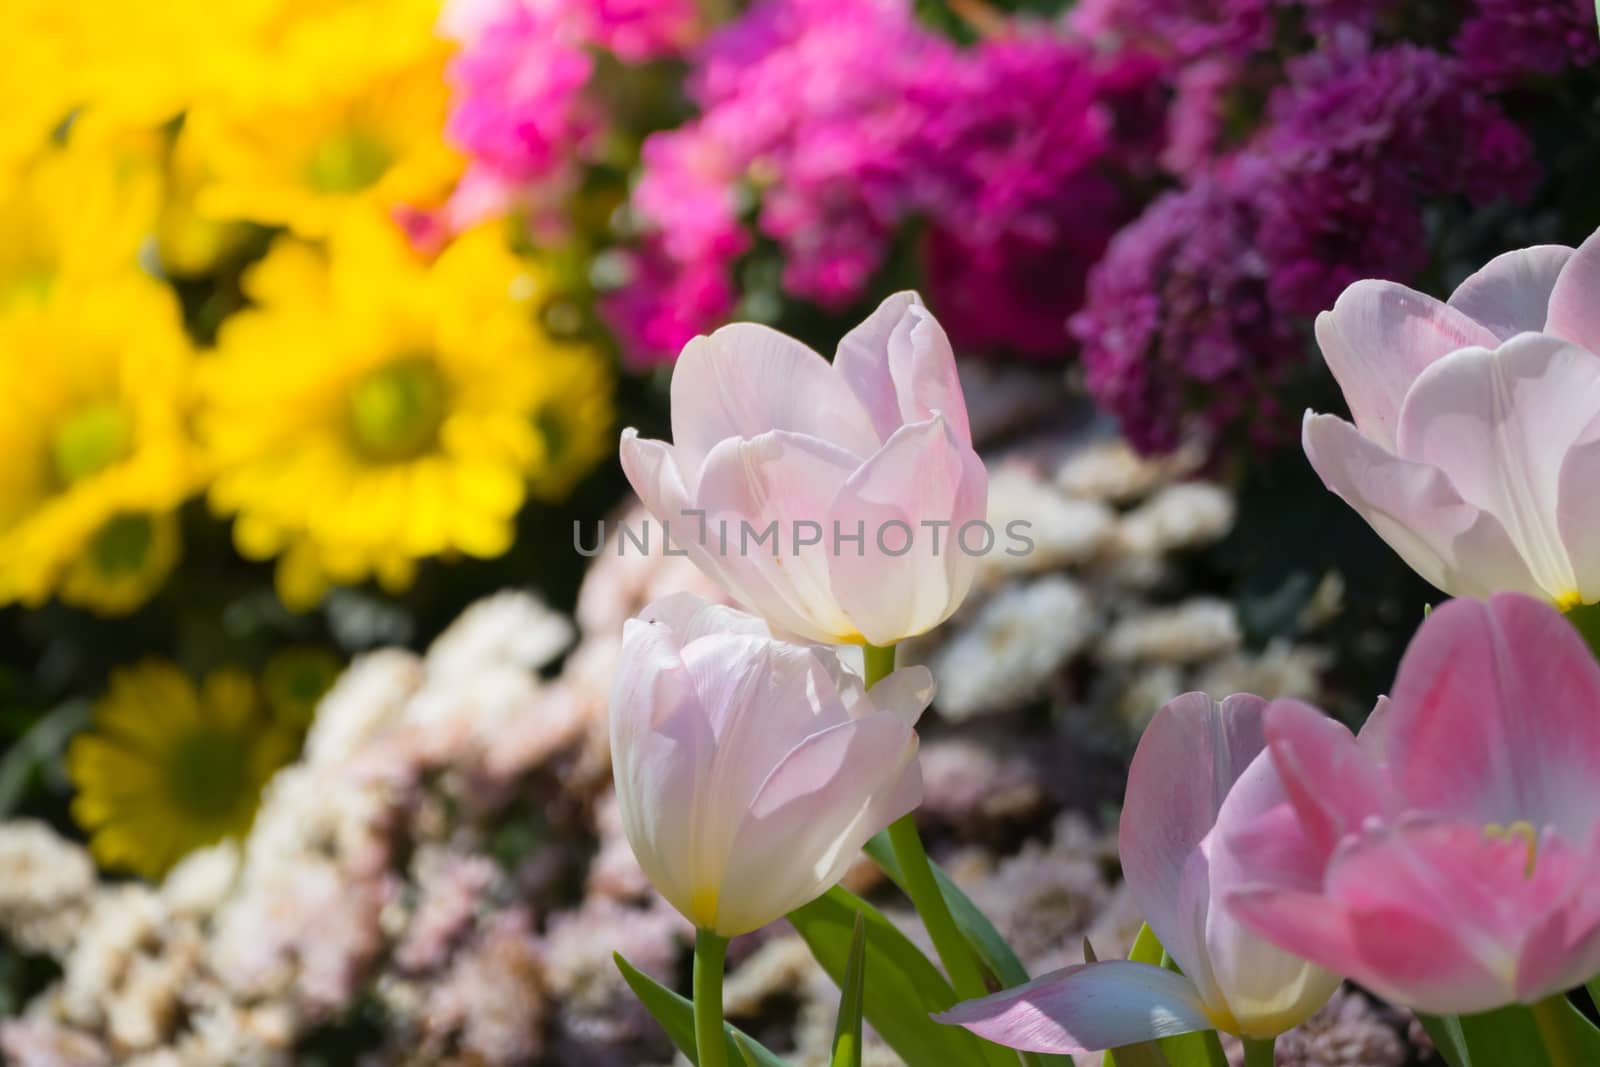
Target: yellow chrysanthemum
point(167, 768)
point(76, 214)
point(98, 383)
point(574, 415)
point(376, 410)
point(39, 79)
point(304, 164)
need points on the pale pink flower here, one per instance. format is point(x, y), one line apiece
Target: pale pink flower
point(750, 771)
point(862, 471)
point(1448, 859)
point(1476, 444)
point(1188, 761)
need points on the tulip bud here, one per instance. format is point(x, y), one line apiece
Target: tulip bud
point(750, 771)
point(844, 502)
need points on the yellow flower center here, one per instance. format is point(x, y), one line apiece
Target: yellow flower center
point(396, 410)
point(1521, 830)
point(91, 440)
point(348, 163)
point(122, 546)
point(207, 772)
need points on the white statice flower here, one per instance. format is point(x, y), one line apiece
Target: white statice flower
point(1176, 517)
point(46, 883)
point(490, 1005)
point(966, 781)
point(201, 881)
point(369, 695)
point(1017, 643)
point(1151, 686)
point(128, 969)
point(1111, 470)
point(450, 887)
point(1282, 669)
point(41, 1042)
point(1198, 629)
point(513, 629)
point(1063, 531)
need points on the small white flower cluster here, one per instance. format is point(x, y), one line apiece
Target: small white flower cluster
point(1097, 617)
point(375, 873)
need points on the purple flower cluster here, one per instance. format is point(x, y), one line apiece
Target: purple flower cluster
point(1179, 331)
point(837, 121)
point(1357, 141)
point(522, 111)
point(1189, 318)
point(807, 106)
point(1018, 176)
point(1505, 40)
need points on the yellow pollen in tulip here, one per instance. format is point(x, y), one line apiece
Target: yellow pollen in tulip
point(1522, 830)
point(704, 906)
point(1569, 600)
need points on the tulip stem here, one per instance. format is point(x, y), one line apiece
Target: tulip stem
point(1258, 1053)
point(710, 953)
point(1554, 1017)
point(920, 885)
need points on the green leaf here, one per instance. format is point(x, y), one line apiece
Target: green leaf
point(905, 988)
point(986, 941)
point(1507, 1035)
point(676, 1016)
point(847, 1030)
point(993, 952)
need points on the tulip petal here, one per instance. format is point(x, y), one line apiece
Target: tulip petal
point(812, 815)
point(1086, 1008)
point(791, 481)
point(1578, 512)
point(1330, 779)
point(1259, 840)
point(906, 693)
point(1499, 424)
point(1439, 910)
point(1378, 338)
point(652, 469)
point(1189, 757)
point(660, 745)
point(746, 380)
point(1511, 293)
point(901, 367)
point(689, 617)
point(925, 473)
point(1573, 311)
point(1497, 717)
point(1457, 547)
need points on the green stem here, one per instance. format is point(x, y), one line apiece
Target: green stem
point(1594, 983)
point(1554, 1018)
point(954, 952)
point(1258, 1053)
point(710, 952)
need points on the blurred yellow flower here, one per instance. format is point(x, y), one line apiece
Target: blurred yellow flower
point(126, 561)
point(76, 214)
point(295, 680)
point(167, 768)
point(98, 382)
point(302, 164)
point(375, 410)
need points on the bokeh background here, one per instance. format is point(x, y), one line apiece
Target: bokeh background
point(318, 323)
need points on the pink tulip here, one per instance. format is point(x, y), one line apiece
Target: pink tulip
point(1476, 444)
point(863, 473)
point(1188, 760)
point(1448, 858)
point(750, 771)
